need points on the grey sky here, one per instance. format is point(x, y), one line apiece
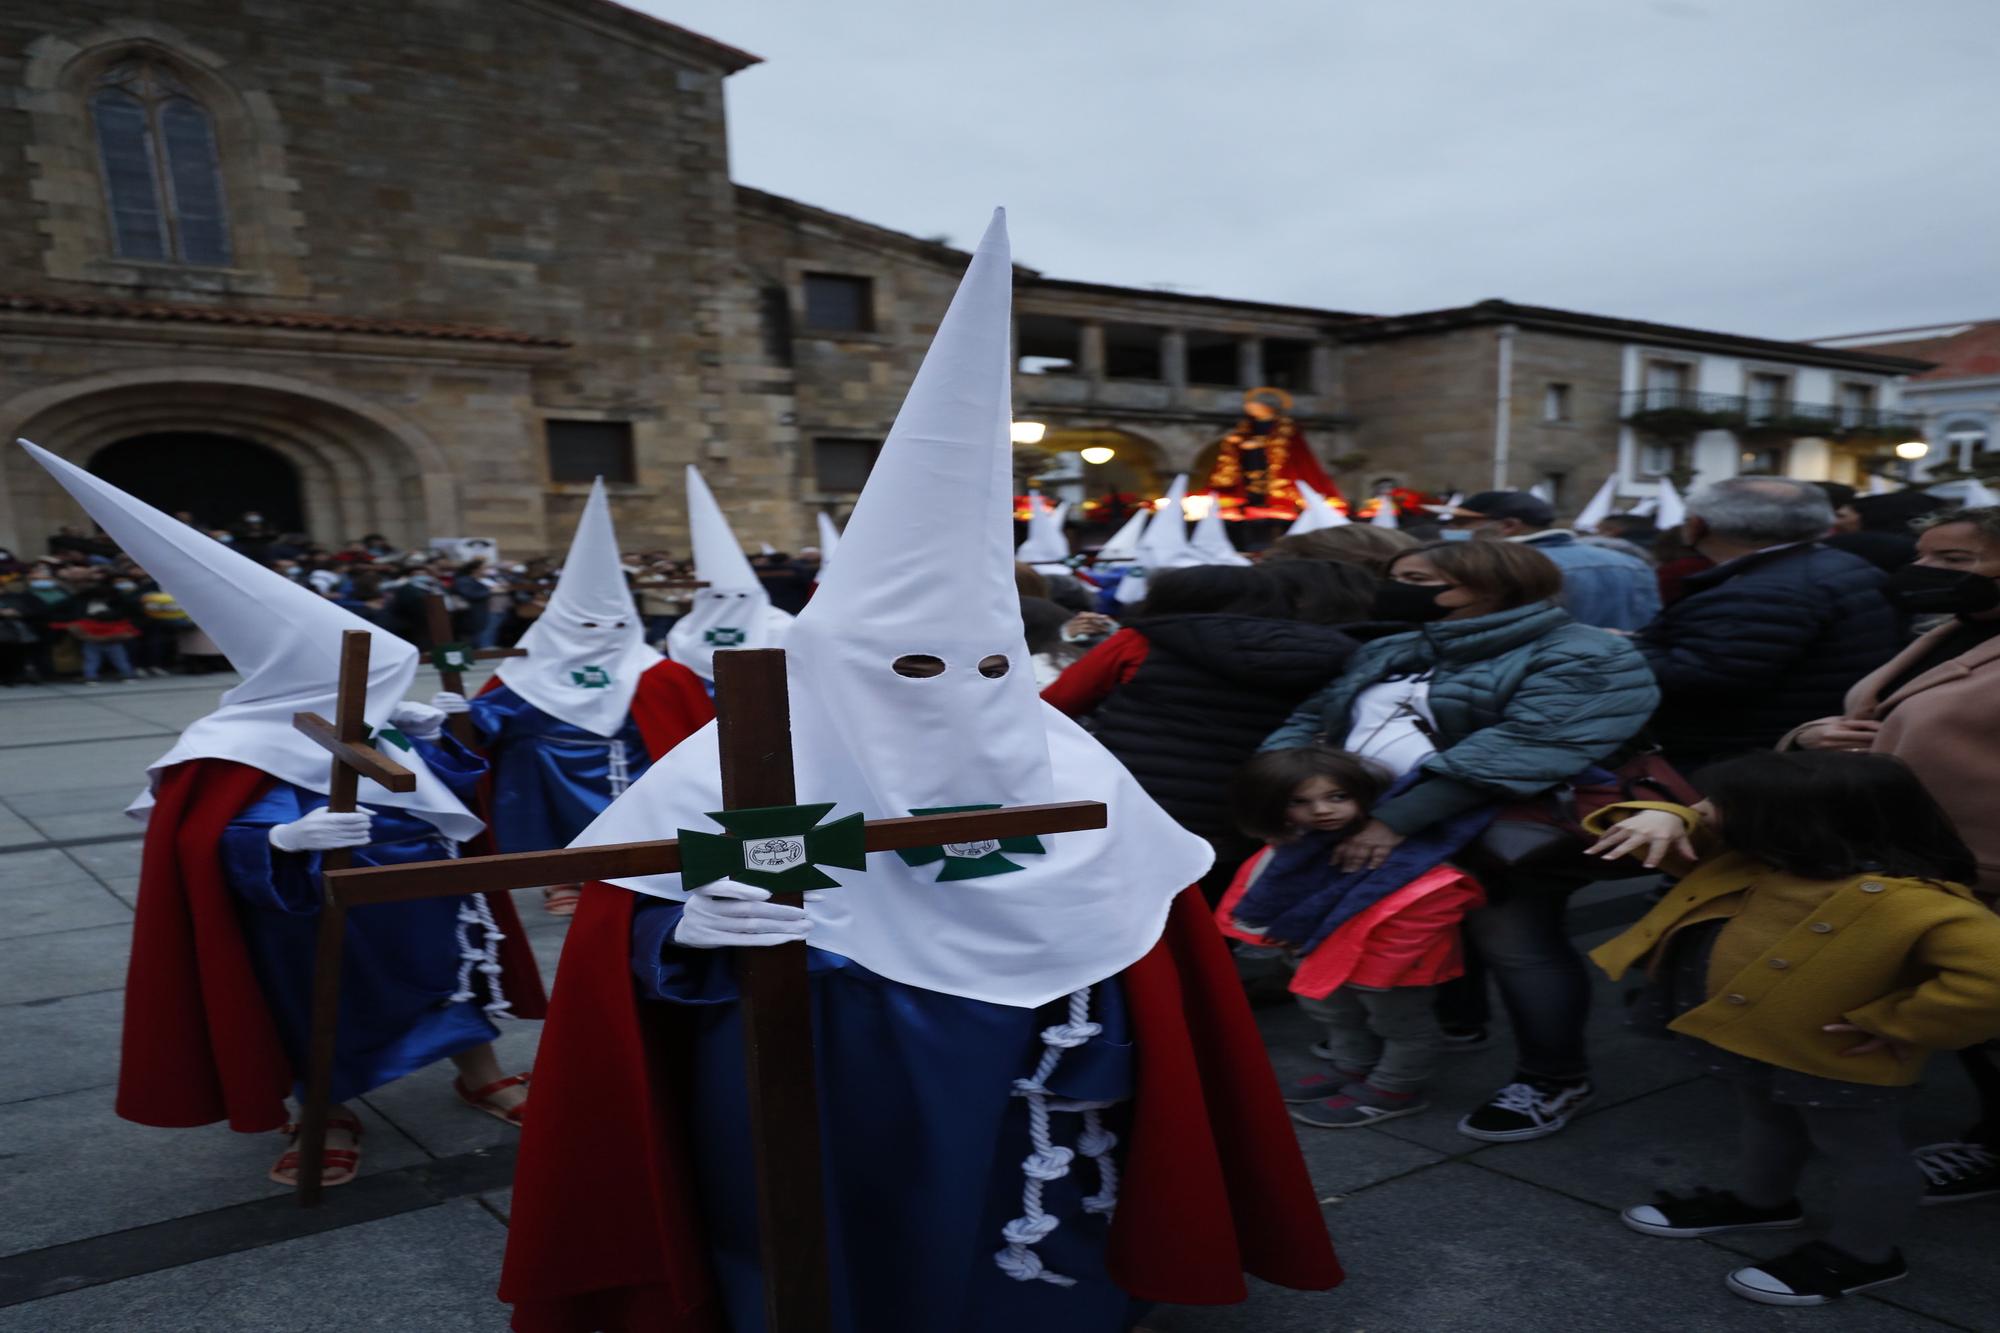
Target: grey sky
point(1790, 168)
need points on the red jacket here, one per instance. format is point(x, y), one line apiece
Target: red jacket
point(1409, 938)
point(1089, 681)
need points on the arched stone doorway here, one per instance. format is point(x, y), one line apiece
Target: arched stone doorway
point(216, 479)
point(1101, 493)
point(357, 467)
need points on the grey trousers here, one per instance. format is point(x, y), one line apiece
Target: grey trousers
point(1877, 1186)
point(1392, 1034)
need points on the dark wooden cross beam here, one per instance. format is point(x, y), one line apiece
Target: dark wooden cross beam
point(451, 659)
point(346, 739)
point(753, 716)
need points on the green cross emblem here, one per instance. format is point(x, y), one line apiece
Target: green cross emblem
point(391, 735)
point(971, 860)
point(779, 848)
point(591, 678)
point(724, 636)
point(452, 656)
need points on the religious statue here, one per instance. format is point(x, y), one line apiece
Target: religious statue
point(1261, 457)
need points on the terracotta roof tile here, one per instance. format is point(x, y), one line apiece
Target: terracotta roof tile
point(1970, 353)
point(311, 321)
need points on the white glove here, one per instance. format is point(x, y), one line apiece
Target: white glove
point(420, 722)
point(450, 701)
point(323, 831)
point(727, 915)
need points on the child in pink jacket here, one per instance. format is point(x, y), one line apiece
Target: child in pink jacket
point(1370, 981)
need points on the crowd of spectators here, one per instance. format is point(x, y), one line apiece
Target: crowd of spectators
point(86, 611)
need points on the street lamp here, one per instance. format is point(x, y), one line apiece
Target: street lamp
point(1098, 453)
point(1029, 432)
point(1911, 450)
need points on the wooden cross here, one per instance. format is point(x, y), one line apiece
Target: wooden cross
point(346, 739)
point(451, 659)
point(753, 717)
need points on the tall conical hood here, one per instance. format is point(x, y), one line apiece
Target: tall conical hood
point(587, 650)
point(1599, 507)
point(1314, 512)
point(1124, 543)
point(734, 610)
point(829, 538)
point(1211, 540)
point(1045, 543)
point(1164, 546)
point(1672, 511)
point(283, 638)
point(1385, 512)
point(912, 689)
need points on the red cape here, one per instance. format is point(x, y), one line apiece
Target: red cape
point(605, 1233)
point(199, 1045)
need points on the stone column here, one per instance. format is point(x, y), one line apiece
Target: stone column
point(1173, 363)
point(1250, 362)
point(1321, 369)
point(1090, 351)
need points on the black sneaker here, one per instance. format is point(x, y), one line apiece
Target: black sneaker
point(1956, 1172)
point(1708, 1212)
point(1528, 1108)
point(1813, 1274)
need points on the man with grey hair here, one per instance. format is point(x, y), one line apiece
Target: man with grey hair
point(1774, 634)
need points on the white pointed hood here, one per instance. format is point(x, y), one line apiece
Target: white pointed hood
point(1599, 507)
point(1672, 511)
point(1164, 545)
point(829, 538)
point(587, 651)
point(1385, 513)
point(1211, 540)
point(734, 610)
point(1314, 512)
point(1124, 544)
point(283, 638)
point(1045, 543)
point(926, 577)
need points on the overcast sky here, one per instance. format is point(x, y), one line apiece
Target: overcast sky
point(1792, 168)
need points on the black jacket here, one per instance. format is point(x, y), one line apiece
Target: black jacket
point(1209, 690)
point(1761, 644)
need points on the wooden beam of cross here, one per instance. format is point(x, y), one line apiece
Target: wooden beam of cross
point(451, 659)
point(346, 739)
point(753, 718)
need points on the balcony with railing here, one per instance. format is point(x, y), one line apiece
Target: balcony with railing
point(1685, 411)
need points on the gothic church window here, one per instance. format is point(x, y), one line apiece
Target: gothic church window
point(162, 172)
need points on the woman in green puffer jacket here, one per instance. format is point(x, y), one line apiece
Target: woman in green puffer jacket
point(1497, 696)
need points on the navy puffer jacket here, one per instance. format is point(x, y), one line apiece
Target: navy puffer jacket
point(1763, 643)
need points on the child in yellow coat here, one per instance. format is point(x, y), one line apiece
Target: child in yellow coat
point(1820, 944)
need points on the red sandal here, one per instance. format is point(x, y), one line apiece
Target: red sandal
point(479, 1099)
point(337, 1165)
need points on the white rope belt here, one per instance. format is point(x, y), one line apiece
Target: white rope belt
point(1048, 1161)
point(620, 773)
point(482, 957)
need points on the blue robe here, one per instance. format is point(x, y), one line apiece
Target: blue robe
point(924, 1143)
point(401, 963)
point(550, 779)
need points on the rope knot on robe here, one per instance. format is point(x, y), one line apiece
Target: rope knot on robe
point(1051, 1161)
point(482, 955)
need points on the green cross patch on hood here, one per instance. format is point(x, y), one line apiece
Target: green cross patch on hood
point(591, 678)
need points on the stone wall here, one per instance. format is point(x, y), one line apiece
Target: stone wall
point(1423, 410)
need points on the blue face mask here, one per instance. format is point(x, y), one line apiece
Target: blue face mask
point(1457, 534)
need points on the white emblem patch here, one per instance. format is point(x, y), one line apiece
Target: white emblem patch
point(971, 851)
point(780, 853)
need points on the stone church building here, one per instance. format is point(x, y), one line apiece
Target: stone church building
point(426, 267)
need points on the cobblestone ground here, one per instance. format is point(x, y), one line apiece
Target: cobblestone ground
point(107, 1225)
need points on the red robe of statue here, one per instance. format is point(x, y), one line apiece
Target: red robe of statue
point(606, 1229)
point(1257, 464)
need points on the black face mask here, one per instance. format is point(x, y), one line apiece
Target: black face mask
point(1413, 602)
point(1922, 590)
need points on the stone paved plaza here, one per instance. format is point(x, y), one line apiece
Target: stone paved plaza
point(106, 1225)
